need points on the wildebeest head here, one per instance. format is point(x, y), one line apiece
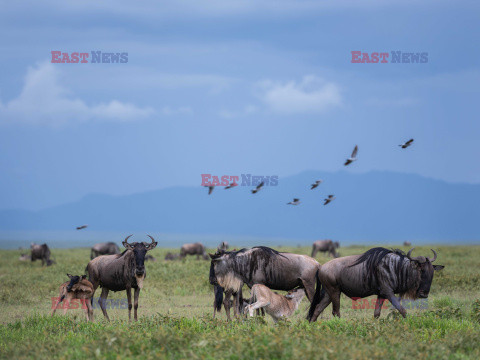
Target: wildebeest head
point(426, 269)
point(74, 279)
point(139, 251)
point(295, 293)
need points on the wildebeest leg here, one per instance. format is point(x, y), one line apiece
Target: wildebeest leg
point(257, 305)
point(89, 310)
point(102, 301)
point(226, 304)
point(67, 303)
point(314, 252)
point(378, 307)
point(397, 304)
point(321, 306)
point(135, 302)
point(129, 298)
point(336, 303)
point(309, 286)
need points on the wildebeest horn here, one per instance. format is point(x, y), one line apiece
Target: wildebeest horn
point(409, 252)
point(126, 239)
point(151, 237)
point(434, 256)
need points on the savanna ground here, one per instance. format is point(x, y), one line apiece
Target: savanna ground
point(176, 317)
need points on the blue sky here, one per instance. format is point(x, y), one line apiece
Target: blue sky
point(231, 87)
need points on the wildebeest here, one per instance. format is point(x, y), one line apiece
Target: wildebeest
point(193, 249)
point(41, 252)
point(378, 271)
point(223, 246)
point(327, 246)
point(121, 272)
point(171, 256)
point(107, 248)
point(261, 265)
point(407, 243)
point(276, 305)
point(77, 288)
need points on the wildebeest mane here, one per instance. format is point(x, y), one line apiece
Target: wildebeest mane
point(374, 256)
point(407, 278)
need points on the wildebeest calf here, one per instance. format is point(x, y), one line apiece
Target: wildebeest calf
point(276, 305)
point(77, 288)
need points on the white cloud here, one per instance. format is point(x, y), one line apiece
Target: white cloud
point(43, 100)
point(310, 95)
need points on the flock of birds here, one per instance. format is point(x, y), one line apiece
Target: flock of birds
point(330, 198)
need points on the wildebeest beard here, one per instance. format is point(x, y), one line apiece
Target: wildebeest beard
point(392, 266)
point(243, 265)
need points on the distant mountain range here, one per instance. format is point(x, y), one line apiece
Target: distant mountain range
point(375, 206)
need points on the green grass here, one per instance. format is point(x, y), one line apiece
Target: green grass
point(176, 317)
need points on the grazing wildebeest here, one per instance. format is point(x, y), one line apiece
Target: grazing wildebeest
point(276, 305)
point(223, 246)
point(171, 256)
point(193, 249)
point(121, 272)
point(327, 246)
point(407, 243)
point(261, 265)
point(107, 248)
point(378, 271)
point(77, 288)
point(41, 252)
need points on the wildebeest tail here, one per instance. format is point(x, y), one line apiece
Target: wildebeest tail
point(218, 297)
point(319, 295)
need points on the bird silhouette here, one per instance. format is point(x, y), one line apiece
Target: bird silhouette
point(318, 182)
point(329, 199)
point(407, 144)
point(294, 202)
point(353, 157)
point(258, 188)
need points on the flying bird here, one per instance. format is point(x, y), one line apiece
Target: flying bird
point(353, 157)
point(257, 189)
point(230, 186)
point(82, 227)
point(294, 202)
point(210, 189)
point(318, 182)
point(329, 199)
point(407, 144)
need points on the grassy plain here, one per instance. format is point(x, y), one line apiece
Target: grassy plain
point(176, 317)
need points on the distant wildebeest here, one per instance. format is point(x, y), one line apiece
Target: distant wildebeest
point(378, 271)
point(276, 305)
point(327, 246)
point(25, 257)
point(150, 258)
point(121, 272)
point(41, 252)
point(77, 288)
point(223, 246)
point(261, 265)
point(193, 249)
point(407, 243)
point(107, 248)
point(171, 256)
